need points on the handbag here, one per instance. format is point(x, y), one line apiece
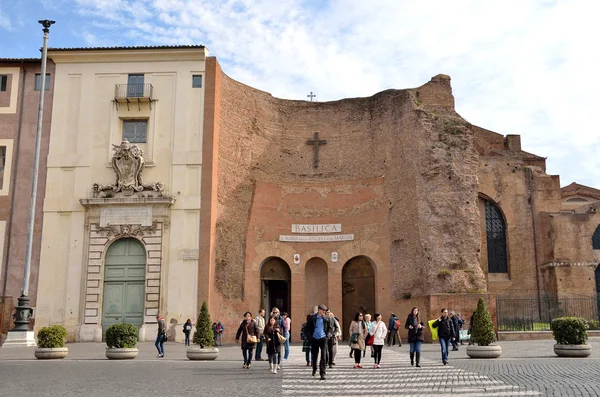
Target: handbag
point(371, 338)
point(281, 338)
point(165, 337)
point(354, 337)
point(251, 339)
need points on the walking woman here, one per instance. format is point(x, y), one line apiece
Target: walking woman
point(358, 330)
point(271, 335)
point(368, 323)
point(379, 332)
point(306, 341)
point(445, 333)
point(415, 327)
point(249, 334)
point(187, 329)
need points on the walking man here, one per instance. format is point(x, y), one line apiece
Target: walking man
point(392, 330)
point(319, 329)
point(260, 325)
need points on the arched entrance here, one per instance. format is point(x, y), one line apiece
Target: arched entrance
point(276, 277)
point(358, 290)
point(124, 276)
point(316, 290)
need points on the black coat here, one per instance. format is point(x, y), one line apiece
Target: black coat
point(456, 326)
point(273, 343)
point(445, 328)
point(241, 332)
point(328, 326)
point(415, 334)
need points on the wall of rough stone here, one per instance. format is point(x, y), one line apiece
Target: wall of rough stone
point(412, 139)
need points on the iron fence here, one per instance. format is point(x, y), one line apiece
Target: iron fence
point(123, 91)
point(533, 313)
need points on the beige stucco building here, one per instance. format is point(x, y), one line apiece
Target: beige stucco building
point(117, 247)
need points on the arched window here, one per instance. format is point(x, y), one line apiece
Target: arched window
point(495, 229)
point(576, 200)
point(596, 239)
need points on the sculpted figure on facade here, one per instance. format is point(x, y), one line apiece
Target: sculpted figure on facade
point(128, 164)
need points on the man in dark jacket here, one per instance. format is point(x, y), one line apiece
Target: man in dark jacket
point(319, 329)
point(392, 330)
point(455, 323)
point(445, 333)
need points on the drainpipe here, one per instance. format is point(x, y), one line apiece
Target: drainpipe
point(530, 183)
point(12, 193)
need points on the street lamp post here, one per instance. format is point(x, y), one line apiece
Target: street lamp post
point(21, 332)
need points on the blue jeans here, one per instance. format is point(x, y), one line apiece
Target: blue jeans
point(287, 348)
point(445, 343)
point(247, 352)
point(259, 347)
point(187, 338)
point(415, 347)
point(219, 340)
point(159, 344)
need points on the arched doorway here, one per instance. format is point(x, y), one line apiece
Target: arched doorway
point(358, 290)
point(316, 291)
point(124, 276)
point(276, 277)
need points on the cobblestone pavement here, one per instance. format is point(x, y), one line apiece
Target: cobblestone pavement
point(525, 369)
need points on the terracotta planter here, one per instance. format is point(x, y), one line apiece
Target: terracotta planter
point(491, 351)
point(209, 353)
point(572, 350)
point(53, 353)
point(114, 353)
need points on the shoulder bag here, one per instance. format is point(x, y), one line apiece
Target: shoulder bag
point(371, 338)
point(250, 339)
point(281, 338)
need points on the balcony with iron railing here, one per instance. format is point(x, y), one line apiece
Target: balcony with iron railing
point(134, 93)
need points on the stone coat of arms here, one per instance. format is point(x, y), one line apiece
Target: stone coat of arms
point(128, 164)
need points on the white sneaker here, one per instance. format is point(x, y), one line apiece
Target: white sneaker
point(278, 367)
point(275, 371)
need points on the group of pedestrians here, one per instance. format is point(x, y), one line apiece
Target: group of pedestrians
point(320, 335)
point(257, 332)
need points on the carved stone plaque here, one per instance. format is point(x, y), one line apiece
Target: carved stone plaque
point(188, 254)
point(126, 216)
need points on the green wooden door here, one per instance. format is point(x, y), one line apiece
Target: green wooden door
point(124, 277)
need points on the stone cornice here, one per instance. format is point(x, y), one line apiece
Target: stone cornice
point(568, 264)
point(91, 202)
point(129, 55)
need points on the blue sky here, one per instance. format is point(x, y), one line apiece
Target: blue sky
point(517, 67)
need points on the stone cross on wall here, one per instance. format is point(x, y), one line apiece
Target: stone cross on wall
point(316, 142)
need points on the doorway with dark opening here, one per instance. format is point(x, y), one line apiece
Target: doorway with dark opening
point(275, 277)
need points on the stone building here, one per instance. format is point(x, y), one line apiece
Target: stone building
point(170, 184)
point(376, 204)
point(122, 206)
point(20, 83)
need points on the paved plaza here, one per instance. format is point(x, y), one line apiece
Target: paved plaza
point(527, 368)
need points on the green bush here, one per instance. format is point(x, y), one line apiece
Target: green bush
point(569, 330)
point(483, 328)
point(122, 335)
point(593, 325)
point(204, 334)
point(52, 337)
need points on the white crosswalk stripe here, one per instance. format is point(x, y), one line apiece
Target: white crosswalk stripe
point(395, 377)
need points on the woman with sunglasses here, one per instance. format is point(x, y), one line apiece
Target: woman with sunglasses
point(358, 330)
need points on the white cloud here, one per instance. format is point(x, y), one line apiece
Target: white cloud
point(517, 67)
point(5, 22)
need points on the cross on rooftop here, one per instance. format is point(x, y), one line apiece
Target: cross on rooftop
point(311, 96)
point(316, 142)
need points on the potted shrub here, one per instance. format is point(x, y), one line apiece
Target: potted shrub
point(51, 343)
point(483, 335)
point(203, 338)
point(121, 341)
point(571, 334)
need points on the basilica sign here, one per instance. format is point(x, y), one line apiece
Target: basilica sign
point(326, 228)
point(316, 239)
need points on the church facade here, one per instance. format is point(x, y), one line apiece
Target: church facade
point(170, 184)
point(379, 204)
